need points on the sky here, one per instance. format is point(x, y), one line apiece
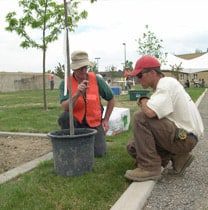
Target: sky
point(181, 24)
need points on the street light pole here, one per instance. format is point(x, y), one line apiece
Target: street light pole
point(124, 44)
point(97, 59)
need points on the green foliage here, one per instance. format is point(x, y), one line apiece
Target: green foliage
point(149, 44)
point(176, 69)
point(59, 70)
point(47, 17)
point(93, 68)
point(129, 64)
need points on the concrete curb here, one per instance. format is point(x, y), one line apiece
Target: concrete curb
point(24, 168)
point(135, 196)
point(2, 133)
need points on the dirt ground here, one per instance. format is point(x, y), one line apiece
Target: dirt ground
point(16, 150)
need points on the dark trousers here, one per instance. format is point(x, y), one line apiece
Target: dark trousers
point(100, 146)
point(52, 84)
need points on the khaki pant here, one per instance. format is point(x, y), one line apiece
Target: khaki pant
point(154, 142)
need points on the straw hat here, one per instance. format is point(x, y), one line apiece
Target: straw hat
point(79, 59)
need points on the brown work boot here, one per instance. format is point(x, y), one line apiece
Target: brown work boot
point(180, 163)
point(140, 175)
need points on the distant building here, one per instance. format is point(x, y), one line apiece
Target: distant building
point(16, 81)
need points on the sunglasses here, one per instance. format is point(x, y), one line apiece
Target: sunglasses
point(83, 68)
point(140, 75)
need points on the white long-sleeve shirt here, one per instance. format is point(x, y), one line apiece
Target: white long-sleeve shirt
point(170, 100)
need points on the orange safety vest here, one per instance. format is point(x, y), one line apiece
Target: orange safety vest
point(88, 107)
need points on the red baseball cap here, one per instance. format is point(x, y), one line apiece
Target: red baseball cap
point(145, 62)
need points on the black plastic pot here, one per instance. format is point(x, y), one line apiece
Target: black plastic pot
point(73, 154)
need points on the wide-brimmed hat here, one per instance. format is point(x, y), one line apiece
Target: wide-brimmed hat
point(144, 62)
point(79, 59)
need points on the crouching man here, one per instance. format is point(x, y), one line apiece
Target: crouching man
point(166, 129)
point(87, 91)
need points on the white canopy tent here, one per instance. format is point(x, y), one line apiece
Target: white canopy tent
point(189, 66)
point(172, 60)
point(197, 64)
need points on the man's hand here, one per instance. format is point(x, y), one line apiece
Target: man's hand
point(144, 108)
point(141, 98)
point(105, 125)
point(83, 86)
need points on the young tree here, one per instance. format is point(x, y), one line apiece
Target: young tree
point(93, 68)
point(151, 45)
point(59, 70)
point(176, 69)
point(47, 18)
point(129, 64)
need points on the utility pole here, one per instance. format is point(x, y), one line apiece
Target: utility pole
point(124, 44)
point(97, 59)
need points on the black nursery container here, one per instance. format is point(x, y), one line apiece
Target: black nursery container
point(73, 154)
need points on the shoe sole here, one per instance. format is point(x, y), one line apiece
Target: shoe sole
point(142, 179)
point(186, 165)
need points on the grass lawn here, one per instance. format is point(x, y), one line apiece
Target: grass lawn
point(42, 189)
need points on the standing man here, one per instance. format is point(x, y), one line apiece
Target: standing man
point(166, 129)
point(87, 88)
point(51, 80)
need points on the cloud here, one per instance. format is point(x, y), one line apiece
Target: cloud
point(180, 24)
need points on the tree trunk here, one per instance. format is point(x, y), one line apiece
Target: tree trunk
point(44, 59)
point(44, 82)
